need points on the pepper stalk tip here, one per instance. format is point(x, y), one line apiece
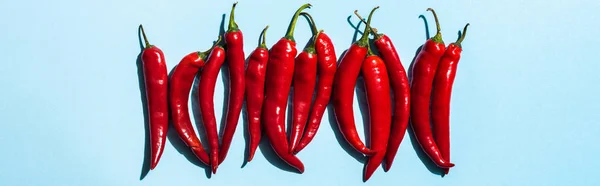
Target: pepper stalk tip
point(438, 35)
point(290, 32)
point(364, 40)
point(262, 42)
point(233, 27)
point(373, 30)
point(462, 36)
point(145, 38)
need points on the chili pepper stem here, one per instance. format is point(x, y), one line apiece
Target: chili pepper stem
point(373, 30)
point(311, 48)
point(233, 27)
point(462, 36)
point(369, 51)
point(290, 32)
point(145, 38)
point(205, 53)
point(364, 40)
point(311, 22)
point(219, 42)
point(438, 35)
point(262, 42)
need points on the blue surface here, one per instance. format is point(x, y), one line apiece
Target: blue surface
point(524, 107)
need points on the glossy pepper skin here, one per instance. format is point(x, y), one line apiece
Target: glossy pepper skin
point(255, 92)
point(401, 90)
point(236, 60)
point(326, 68)
point(343, 90)
point(423, 73)
point(155, 80)
point(280, 71)
point(206, 87)
point(180, 86)
point(377, 85)
point(441, 94)
point(305, 79)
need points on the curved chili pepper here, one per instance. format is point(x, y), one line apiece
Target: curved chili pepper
point(208, 80)
point(280, 72)
point(423, 73)
point(401, 90)
point(343, 90)
point(326, 68)
point(441, 94)
point(255, 92)
point(377, 85)
point(181, 82)
point(236, 59)
point(305, 79)
point(155, 80)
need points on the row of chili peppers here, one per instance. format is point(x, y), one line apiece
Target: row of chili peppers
point(269, 75)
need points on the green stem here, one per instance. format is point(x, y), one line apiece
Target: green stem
point(310, 48)
point(233, 27)
point(311, 22)
point(290, 32)
point(219, 42)
point(204, 54)
point(373, 30)
point(145, 38)
point(369, 51)
point(438, 35)
point(364, 40)
point(462, 36)
point(262, 43)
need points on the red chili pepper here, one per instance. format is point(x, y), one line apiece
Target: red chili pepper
point(401, 90)
point(377, 86)
point(442, 90)
point(280, 72)
point(179, 92)
point(305, 79)
point(326, 68)
point(236, 59)
point(255, 92)
point(206, 87)
point(155, 80)
point(423, 73)
point(343, 90)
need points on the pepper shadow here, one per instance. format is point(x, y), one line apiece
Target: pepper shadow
point(245, 115)
point(330, 110)
point(415, 144)
point(200, 127)
point(265, 148)
point(290, 108)
point(361, 94)
point(426, 26)
point(246, 131)
point(340, 138)
point(179, 144)
point(290, 114)
point(356, 28)
point(197, 114)
point(226, 83)
point(363, 105)
point(140, 72)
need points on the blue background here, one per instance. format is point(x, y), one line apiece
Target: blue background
point(524, 107)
